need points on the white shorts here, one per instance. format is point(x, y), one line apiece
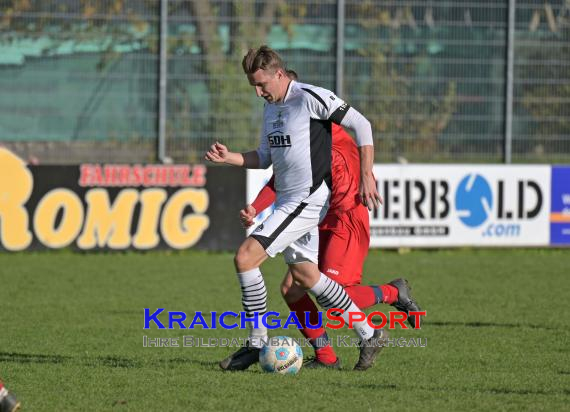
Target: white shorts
point(292, 228)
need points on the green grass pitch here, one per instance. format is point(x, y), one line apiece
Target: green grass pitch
point(71, 335)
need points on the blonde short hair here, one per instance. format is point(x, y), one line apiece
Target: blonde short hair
point(264, 58)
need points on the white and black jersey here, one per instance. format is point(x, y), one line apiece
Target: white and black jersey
point(296, 137)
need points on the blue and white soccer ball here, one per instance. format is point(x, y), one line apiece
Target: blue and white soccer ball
point(281, 355)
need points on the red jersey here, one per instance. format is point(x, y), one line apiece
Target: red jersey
point(345, 170)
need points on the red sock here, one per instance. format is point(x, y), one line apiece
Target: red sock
point(362, 296)
point(389, 294)
point(324, 354)
point(367, 296)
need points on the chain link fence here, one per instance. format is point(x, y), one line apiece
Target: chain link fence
point(82, 81)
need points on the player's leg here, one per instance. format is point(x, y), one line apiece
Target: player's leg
point(286, 224)
point(345, 241)
point(301, 256)
point(396, 293)
point(299, 302)
point(247, 260)
point(343, 248)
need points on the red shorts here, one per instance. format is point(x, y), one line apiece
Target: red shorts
point(343, 245)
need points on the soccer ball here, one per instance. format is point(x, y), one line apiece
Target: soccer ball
point(281, 355)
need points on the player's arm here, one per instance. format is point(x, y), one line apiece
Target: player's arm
point(339, 112)
point(219, 153)
point(362, 128)
point(264, 199)
point(368, 190)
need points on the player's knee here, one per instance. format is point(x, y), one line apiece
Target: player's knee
point(248, 256)
point(306, 277)
point(241, 259)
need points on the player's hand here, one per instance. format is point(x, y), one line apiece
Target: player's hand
point(246, 216)
point(369, 193)
point(218, 153)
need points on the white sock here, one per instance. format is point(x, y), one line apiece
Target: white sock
point(254, 299)
point(330, 295)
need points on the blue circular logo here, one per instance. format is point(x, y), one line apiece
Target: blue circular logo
point(473, 200)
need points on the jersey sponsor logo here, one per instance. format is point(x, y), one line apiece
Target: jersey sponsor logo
point(332, 271)
point(278, 139)
point(277, 124)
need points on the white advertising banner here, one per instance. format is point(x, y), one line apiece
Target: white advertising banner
point(453, 205)
point(462, 205)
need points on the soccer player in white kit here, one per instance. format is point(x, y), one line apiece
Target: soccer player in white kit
point(296, 140)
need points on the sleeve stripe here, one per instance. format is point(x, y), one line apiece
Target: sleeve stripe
point(316, 96)
point(339, 113)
